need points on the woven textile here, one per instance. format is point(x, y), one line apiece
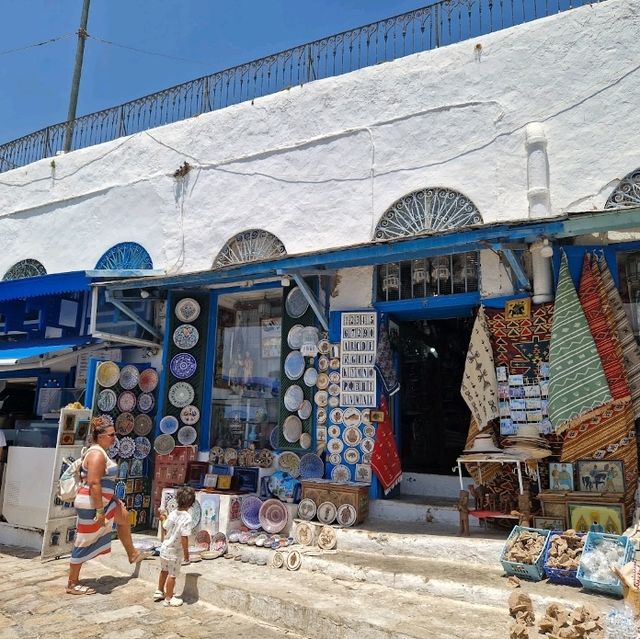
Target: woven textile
point(577, 383)
point(479, 386)
point(385, 460)
point(384, 362)
point(630, 348)
point(605, 340)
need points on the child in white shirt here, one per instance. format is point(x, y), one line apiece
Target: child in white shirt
point(175, 547)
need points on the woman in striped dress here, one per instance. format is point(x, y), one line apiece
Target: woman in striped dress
point(98, 508)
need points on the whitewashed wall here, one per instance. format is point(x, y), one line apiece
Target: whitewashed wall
point(318, 165)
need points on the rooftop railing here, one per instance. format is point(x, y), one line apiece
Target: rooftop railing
point(430, 27)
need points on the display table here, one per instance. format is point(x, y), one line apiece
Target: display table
point(321, 490)
point(484, 458)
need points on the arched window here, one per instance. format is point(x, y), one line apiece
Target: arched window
point(25, 268)
point(126, 255)
point(627, 193)
point(432, 209)
point(253, 245)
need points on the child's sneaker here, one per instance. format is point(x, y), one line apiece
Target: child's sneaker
point(174, 601)
point(158, 595)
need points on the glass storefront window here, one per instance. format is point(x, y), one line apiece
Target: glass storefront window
point(246, 383)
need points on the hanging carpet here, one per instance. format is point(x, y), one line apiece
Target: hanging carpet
point(385, 461)
point(384, 362)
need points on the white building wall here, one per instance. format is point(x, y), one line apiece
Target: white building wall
point(318, 165)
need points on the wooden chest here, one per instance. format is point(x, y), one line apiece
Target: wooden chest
point(352, 493)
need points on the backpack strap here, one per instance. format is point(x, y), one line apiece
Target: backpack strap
point(86, 451)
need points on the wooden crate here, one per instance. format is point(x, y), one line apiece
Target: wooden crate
point(338, 494)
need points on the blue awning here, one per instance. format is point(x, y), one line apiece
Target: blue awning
point(11, 354)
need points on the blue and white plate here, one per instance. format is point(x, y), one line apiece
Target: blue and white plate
point(187, 310)
point(137, 501)
point(146, 402)
point(142, 448)
point(181, 394)
point(187, 435)
point(107, 400)
point(112, 452)
point(183, 365)
point(127, 447)
point(296, 303)
point(169, 424)
point(294, 365)
point(186, 336)
point(274, 437)
point(250, 511)
point(129, 376)
point(311, 466)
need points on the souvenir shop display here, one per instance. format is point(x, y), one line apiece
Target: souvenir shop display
point(329, 497)
point(358, 343)
point(562, 557)
point(523, 553)
point(602, 552)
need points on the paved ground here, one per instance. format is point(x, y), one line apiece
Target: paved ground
point(33, 605)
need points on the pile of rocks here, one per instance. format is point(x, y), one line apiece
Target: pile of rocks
point(525, 547)
point(565, 550)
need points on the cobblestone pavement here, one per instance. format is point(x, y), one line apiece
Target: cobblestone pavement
point(34, 605)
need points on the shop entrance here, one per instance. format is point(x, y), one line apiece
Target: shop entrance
point(434, 419)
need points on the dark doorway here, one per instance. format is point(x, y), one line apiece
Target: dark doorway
point(433, 416)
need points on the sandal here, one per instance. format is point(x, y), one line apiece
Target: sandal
point(77, 589)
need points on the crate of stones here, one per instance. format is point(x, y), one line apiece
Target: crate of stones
point(524, 551)
point(562, 557)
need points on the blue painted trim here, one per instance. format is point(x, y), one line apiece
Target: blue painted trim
point(31, 372)
point(440, 306)
point(92, 367)
point(54, 284)
point(36, 348)
point(165, 355)
point(499, 302)
point(210, 368)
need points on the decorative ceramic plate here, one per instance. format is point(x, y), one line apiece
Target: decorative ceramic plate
point(127, 446)
point(326, 512)
point(107, 420)
point(304, 412)
point(352, 436)
point(289, 462)
point(334, 390)
point(107, 400)
point(169, 424)
point(124, 423)
point(323, 381)
point(142, 425)
point(183, 365)
point(340, 473)
point(321, 415)
point(294, 365)
point(307, 509)
point(327, 538)
point(335, 459)
point(333, 430)
point(250, 511)
point(187, 435)
point(129, 377)
point(230, 455)
point(321, 398)
point(146, 402)
point(305, 441)
point(196, 514)
point(187, 310)
point(347, 515)
point(334, 362)
point(164, 444)
point(336, 416)
point(334, 401)
point(367, 444)
point(335, 445)
point(216, 454)
point(334, 377)
point(351, 455)
point(296, 303)
point(293, 397)
point(142, 448)
point(274, 437)
point(323, 363)
point(294, 337)
point(369, 430)
point(186, 336)
point(219, 542)
point(112, 452)
point(126, 401)
point(351, 417)
point(181, 394)
point(203, 539)
point(273, 516)
point(190, 415)
point(365, 415)
point(108, 374)
point(311, 466)
point(324, 347)
point(148, 381)
point(264, 458)
point(120, 490)
point(310, 376)
point(292, 428)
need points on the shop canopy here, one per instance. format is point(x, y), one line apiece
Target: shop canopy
point(13, 353)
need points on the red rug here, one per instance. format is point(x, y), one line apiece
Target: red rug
point(385, 460)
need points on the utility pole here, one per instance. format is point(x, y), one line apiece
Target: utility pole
point(77, 72)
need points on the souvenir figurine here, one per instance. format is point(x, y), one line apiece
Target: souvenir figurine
point(463, 510)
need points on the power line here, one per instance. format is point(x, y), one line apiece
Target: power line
point(38, 44)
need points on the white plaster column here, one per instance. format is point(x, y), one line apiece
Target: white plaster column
point(542, 279)
point(537, 171)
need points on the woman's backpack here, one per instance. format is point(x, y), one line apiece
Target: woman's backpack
point(70, 481)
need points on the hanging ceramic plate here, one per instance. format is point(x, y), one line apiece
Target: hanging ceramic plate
point(352, 436)
point(321, 397)
point(323, 363)
point(169, 424)
point(142, 425)
point(334, 363)
point(127, 446)
point(292, 428)
point(324, 348)
point(142, 447)
point(187, 435)
point(230, 455)
point(351, 455)
point(164, 444)
point(250, 511)
point(186, 336)
point(293, 397)
point(323, 381)
point(369, 430)
point(120, 490)
point(367, 444)
point(274, 437)
point(124, 423)
point(334, 429)
point(146, 402)
point(310, 376)
point(112, 452)
point(126, 401)
point(181, 394)
point(304, 412)
point(347, 515)
point(336, 417)
point(335, 459)
point(335, 445)
point(289, 462)
point(108, 374)
point(190, 415)
point(107, 400)
point(341, 473)
point(311, 466)
point(365, 415)
point(334, 377)
point(334, 401)
point(296, 303)
point(366, 458)
point(294, 337)
point(107, 420)
point(294, 365)
point(305, 441)
point(273, 516)
point(321, 415)
point(183, 365)
point(326, 512)
point(334, 390)
point(196, 514)
point(307, 509)
point(187, 310)
point(129, 377)
point(351, 417)
point(216, 454)
point(148, 380)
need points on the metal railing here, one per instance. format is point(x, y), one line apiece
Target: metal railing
point(437, 25)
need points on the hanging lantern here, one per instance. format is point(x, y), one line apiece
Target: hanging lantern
point(310, 338)
point(264, 308)
point(391, 280)
point(418, 271)
point(440, 270)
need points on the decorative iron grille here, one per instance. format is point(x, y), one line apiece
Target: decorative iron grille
point(25, 268)
point(437, 25)
point(249, 246)
point(126, 255)
point(627, 193)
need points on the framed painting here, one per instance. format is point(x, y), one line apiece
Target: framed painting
point(607, 518)
point(517, 309)
point(549, 523)
point(601, 475)
point(560, 476)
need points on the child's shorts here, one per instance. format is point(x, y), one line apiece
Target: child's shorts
point(172, 566)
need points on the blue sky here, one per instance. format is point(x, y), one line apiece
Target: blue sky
point(211, 34)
